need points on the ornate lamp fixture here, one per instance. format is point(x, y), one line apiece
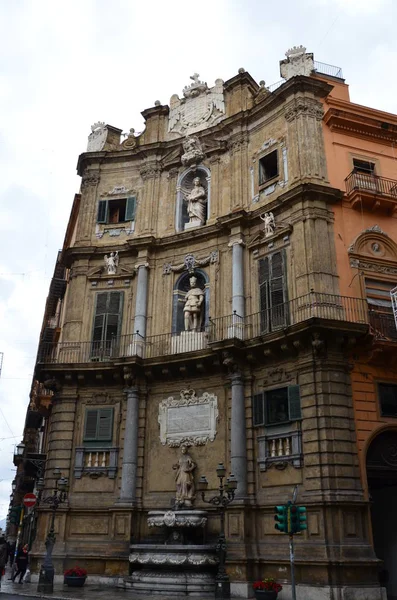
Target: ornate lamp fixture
point(222, 500)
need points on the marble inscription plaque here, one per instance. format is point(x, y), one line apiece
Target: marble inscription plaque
point(188, 420)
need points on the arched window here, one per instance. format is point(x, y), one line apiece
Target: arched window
point(199, 209)
point(374, 254)
point(182, 285)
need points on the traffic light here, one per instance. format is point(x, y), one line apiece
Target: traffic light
point(294, 519)
point(302, 518)
point(15, 515)
point(281, 518)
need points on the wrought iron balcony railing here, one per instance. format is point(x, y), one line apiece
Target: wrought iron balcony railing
point(371, 191)
point(248, 329)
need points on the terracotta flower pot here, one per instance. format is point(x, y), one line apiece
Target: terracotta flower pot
point(74, 581)
point(265, 595)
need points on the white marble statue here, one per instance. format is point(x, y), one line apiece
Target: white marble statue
point(196, 202)
point(192, 310)
point(112, 262)
point(270, 223)
point(184, 479)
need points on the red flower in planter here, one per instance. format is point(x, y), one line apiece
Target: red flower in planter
point(269, 585)
point(75, 572)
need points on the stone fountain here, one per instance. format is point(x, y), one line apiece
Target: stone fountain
point(178, 562)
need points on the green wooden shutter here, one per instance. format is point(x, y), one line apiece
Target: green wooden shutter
point(90, 429)
point(294, 403)
point(264, 274)
point(114, 315)
point(105, 424)
point(102, 215)
point(277, 291)
point(130, 209)
point(258, 412)
point(100, 316)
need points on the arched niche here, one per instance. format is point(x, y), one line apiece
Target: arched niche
point(184, 186)
point(182, 285)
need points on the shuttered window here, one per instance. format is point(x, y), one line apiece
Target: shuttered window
point(277, 406)
point(107, 323)
point(116, 211)
point(98, 425)
point(272, 292)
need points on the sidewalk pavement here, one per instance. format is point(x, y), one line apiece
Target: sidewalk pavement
point(95, 591)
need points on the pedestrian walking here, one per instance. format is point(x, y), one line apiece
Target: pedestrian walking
point(3, 556)
point(22, 563)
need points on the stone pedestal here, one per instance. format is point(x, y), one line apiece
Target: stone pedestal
point(188, 341)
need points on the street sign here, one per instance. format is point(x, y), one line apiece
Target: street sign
point(29, 500)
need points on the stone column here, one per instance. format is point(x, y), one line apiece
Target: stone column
point(238, 442)
point(141, 300)
point(238, 278)
point(130, 450)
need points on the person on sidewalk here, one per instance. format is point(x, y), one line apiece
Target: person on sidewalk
point(22, 563)
point(3, 555)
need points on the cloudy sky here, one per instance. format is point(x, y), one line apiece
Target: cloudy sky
point(65, 65)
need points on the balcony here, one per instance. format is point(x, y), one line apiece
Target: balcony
point(383, 326)
point(371, 192)
point(246, 330)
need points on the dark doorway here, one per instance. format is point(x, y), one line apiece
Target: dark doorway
point(382, 484)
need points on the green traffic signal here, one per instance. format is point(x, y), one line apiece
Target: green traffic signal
point(302, 518)
point(294, 519)
point(15, 515)
point(281, 518)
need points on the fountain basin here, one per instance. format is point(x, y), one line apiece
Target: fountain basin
point(177, 518)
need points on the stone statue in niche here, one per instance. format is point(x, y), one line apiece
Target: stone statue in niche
point(192, 310)
point(196, 202)
point(112, 262)
point(270, 223)
point(184, 479)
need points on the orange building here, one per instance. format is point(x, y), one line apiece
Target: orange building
point(361, 152)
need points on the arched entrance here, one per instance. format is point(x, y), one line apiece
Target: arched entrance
point(382, 485)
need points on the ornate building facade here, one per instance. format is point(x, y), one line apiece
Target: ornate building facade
point(205, 308)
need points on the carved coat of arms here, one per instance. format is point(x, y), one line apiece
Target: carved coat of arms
point(200, 107)
point(97, 137)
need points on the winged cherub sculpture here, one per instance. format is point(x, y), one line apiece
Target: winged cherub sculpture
point(112, 262)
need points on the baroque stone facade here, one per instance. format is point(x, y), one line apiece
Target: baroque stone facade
point(267, 356)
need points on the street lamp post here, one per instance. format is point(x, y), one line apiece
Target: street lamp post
point(222, 500)
point(59, 495)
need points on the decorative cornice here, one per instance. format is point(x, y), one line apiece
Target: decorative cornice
point(191, 262)
point(376, 267)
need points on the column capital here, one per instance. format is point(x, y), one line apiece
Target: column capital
point(133, 390)
point(236, 241)
point(142, 264)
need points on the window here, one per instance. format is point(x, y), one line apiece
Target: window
point(116, 211)
point(98, 425)
point(379, 300)
point(107, 324)
point(388, 399)
point(272, 292)
point(268, 167)
point(277, 406)
point(365, 174)
point(363, 166)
